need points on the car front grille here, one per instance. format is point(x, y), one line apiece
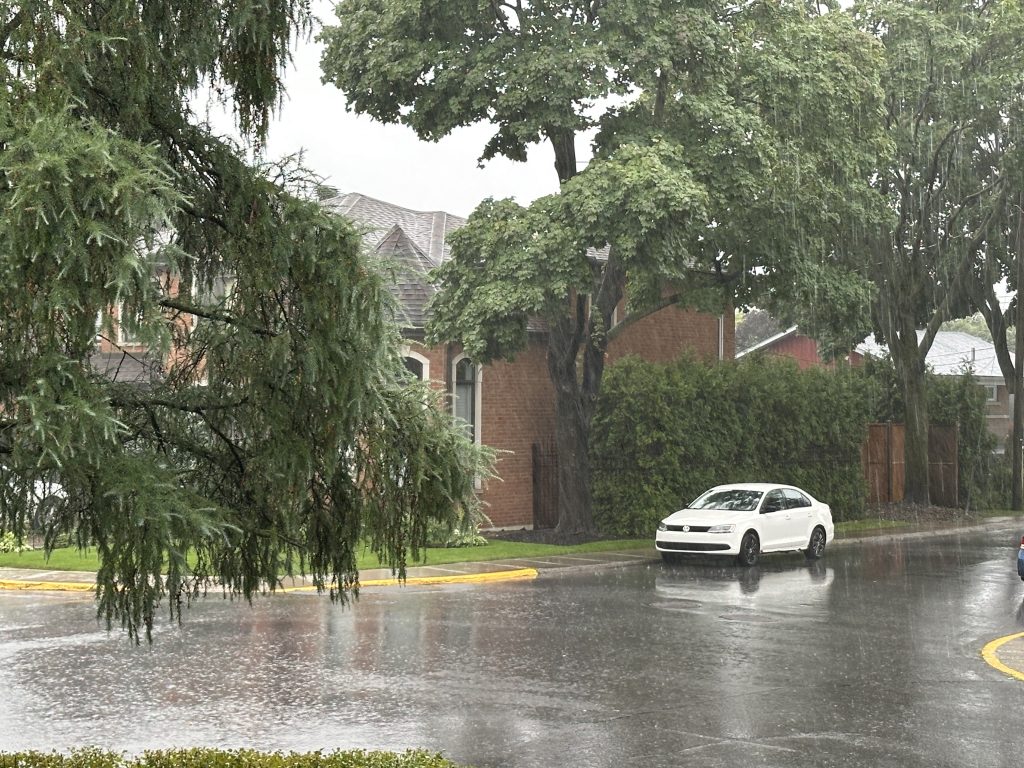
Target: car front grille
point(692, 546)
point(689, 528)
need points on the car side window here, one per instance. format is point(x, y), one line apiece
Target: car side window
point(773, 502)
point(795, 499)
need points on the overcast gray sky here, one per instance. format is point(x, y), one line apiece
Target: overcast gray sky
point(389, 162)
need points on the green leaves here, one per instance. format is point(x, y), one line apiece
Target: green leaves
point(437, 65)
point(511, 263)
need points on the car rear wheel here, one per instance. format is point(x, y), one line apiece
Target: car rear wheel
point(816, 546)
point(750, 548)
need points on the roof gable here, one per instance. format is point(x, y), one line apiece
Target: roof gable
point(428, 230)
point(410, 269)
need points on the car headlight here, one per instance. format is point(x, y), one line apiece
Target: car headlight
point(662, 526)
point(728, 528)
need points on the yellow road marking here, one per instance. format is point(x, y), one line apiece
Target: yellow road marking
point(49, 586)
point(517, 574)
point(989, 654)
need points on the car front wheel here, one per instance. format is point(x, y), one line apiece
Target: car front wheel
point(816, 546)
point(750, 548)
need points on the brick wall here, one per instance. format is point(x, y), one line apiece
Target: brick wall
point(666, 334)
point(801, 348)
point(518, 410)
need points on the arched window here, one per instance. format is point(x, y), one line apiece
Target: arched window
point(467, 395)
point(415, 367)
point(416, 364)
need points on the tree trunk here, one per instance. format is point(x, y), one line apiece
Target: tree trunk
point(1017, 451)
point(909, 359)
point(915, 445)
point(1017, 454)
point(572, 433)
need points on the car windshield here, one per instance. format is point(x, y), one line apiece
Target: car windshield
point(733, 498)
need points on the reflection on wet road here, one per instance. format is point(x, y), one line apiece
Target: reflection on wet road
point(868, 658)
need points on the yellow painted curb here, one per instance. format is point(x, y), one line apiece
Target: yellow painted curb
point(518, 574)
point(988, 653)
point(48, 586)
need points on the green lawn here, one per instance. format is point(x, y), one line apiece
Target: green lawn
point(70, 559)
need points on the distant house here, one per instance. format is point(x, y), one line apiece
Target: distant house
point(123, 358)
point(951, 353)
point(509, 406)
point(788, 343)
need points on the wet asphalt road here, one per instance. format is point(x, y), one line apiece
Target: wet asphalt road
point(870, 657)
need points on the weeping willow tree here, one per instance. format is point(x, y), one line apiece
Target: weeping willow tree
point(273, 430)
point(953, 69)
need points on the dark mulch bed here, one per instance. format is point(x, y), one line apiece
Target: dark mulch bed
point(907, 513)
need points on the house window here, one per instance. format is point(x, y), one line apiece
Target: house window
point(416, 364)
point(992, 392)
point(415, 367)
point(467, 395)
point(125, 335)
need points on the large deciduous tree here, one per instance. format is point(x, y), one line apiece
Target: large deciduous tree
point(950, 71)
point(274, 430)
point(721, 161)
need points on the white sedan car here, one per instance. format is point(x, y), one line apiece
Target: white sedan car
point(745, 520)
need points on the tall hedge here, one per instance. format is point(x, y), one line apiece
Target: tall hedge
point(664, 433)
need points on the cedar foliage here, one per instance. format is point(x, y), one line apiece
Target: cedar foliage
point(275, 431)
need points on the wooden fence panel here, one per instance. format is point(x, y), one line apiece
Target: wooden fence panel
point(943, 466)
point(885, 473)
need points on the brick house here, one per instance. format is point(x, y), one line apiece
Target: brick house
point(509, 405)
point(792, 344)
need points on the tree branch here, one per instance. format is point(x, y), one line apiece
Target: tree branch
point(222, 317)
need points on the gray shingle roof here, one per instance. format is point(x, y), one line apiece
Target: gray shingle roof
point(950, 352)
point(429, 230)
point(411, 285)
point(414, 242)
